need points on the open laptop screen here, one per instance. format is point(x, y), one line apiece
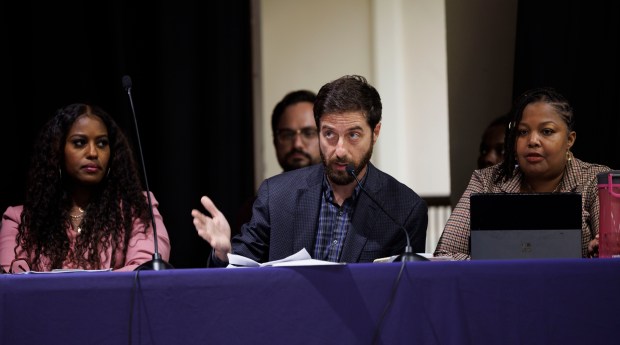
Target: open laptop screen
point(525, 225)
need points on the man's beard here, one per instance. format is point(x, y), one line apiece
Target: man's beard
point(342, 177)
point(296, 164)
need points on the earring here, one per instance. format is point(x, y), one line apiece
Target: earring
point(568, 156)
point(60, 173)
point(108, 174)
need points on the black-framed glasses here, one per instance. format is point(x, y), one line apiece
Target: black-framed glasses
point(289, 135)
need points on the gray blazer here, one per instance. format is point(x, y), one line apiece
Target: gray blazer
point(286, 212)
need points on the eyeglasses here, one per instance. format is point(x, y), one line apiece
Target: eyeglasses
point(289, 135)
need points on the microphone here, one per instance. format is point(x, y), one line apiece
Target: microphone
point(408, 255)
point(157, 263)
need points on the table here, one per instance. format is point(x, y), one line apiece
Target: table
point(569, 301)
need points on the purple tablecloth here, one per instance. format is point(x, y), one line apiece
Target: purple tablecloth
point(484, 302)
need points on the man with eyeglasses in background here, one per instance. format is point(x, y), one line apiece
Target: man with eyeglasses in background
point(294, 138)
point(294, 131)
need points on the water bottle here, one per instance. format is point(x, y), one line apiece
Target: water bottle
point(609, 218)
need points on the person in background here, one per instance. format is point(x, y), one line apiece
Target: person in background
point(84, 206)
point(321, 207)
point(295, 140)
point(294, 131)
point(492, 142)
point(537, 158)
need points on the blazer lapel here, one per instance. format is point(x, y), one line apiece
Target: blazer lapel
point(307, 205)
point(364, 217)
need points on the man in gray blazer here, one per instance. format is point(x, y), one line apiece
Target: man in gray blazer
point(321, 207)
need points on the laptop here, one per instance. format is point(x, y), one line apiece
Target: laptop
point(525, 226)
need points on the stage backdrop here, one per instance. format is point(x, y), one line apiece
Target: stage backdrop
point(574, 46)
point(190, 64)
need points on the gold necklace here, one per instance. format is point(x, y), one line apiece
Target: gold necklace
point(77, 219)
point(531, 190)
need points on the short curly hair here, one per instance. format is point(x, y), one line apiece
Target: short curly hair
point(346, 94)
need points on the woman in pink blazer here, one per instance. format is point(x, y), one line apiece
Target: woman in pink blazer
point(85, 207)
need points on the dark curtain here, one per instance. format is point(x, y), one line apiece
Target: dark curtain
point(574, 45)
point(190, 62)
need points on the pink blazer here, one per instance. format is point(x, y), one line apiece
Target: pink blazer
point(140, 248)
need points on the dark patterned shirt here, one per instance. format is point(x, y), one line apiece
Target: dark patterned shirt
point(334, 222)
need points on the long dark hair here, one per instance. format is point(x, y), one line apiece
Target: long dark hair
point(543, 94)
point(115, 202)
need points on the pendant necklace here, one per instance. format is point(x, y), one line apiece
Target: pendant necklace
point(531, 190)
point(77, 219)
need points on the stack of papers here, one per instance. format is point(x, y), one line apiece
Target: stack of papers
point(63, 270)
point(301, 258)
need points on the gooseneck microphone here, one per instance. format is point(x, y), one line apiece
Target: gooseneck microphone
point(408, 255)
point(157, 263)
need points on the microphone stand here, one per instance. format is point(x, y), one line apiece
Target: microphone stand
point(157, 263)
point(407, 256)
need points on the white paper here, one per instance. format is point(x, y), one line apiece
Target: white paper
point(429, 256)
point(59, 270)
point(305, 262)
point(301, 258)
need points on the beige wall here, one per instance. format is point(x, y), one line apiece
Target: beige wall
point(304, 45)
point(398, 45)
point(410, 69)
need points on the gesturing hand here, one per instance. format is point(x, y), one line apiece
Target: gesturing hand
point(214, 229)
